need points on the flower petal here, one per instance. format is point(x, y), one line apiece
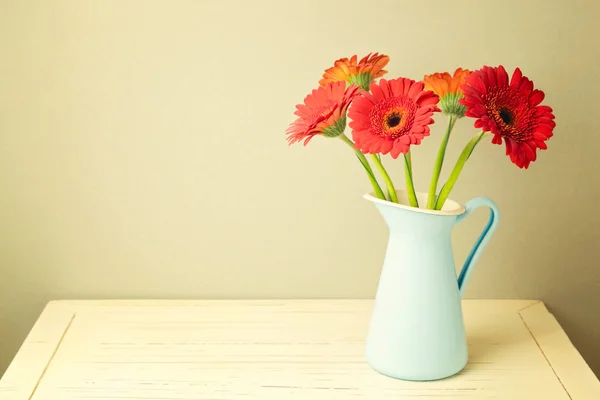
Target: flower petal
point(515, 81)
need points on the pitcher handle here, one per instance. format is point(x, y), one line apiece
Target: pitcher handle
point(483, 239)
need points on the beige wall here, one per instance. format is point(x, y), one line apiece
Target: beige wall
point(142, 152)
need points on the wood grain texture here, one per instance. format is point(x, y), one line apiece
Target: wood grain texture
point(288, 349)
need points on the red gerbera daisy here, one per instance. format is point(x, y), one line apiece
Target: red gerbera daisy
point(511, 111)
point(323, 112)
point(393, 116)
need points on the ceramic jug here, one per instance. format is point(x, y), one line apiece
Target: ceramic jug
point(417, 331)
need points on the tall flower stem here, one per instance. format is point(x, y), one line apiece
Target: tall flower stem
point(410, 187)
point(462, 159)
point(366, 166)
point(388, 181)
point(439, 161)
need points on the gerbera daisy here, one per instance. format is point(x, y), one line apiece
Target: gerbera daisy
point(323, 113)
point(361, 73)
point(510, 111)
point(447, 87)
point(393, 116)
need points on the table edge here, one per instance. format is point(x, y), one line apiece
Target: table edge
point(27, 369)
point(572, 371)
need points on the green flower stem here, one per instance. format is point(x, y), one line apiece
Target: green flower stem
point(366, 166)
point(388, 181)
point(439, 161)
point(410, 187)
point(462, 159)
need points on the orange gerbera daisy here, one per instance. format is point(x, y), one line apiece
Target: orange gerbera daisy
point(447, 87)
point(393, 116)
point(323, 112)
point(361, 73)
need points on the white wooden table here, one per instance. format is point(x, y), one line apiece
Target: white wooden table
point(288, 349)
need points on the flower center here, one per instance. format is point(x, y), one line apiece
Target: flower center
point(506, 115)
point(510, 112)
point(392, 117)
point(393, 120)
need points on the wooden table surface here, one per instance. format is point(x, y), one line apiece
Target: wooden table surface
point(287, 349)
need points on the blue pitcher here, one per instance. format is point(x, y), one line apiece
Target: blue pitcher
point(417, 331)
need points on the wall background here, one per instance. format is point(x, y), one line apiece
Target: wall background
point(142, 152)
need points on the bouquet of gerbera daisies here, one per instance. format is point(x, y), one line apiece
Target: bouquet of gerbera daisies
point(390, 116)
